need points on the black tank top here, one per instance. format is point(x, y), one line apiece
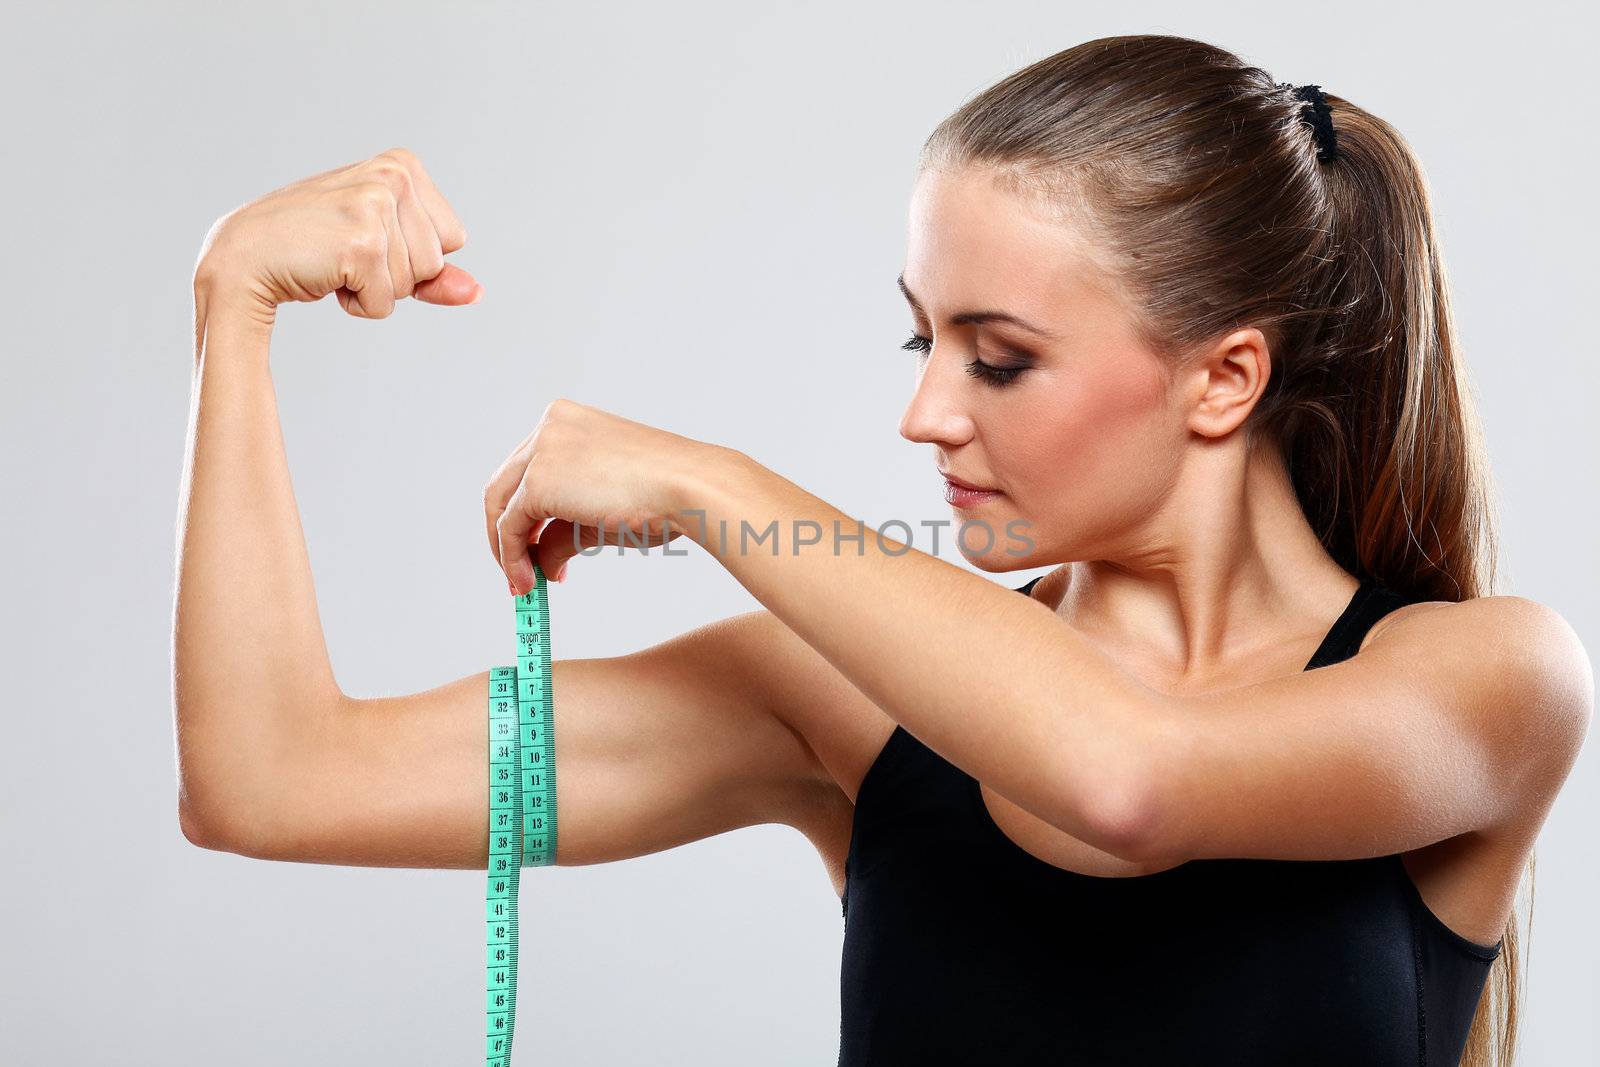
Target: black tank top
point(960, 947)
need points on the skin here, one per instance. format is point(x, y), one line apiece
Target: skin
point(1191, 592)
point(1193, 559)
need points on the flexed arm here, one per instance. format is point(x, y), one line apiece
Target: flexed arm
point(673, 743)
point(247, 644)
point(249, 658)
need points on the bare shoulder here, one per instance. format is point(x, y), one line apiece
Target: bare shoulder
point(1515, 667)
point(1516, 673)
point(1527, 647)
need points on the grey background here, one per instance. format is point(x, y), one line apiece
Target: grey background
point(692, 216)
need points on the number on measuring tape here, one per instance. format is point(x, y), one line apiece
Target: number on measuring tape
point(522, 804)
point(536, 726)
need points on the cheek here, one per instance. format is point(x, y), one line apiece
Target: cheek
point(1102, 444)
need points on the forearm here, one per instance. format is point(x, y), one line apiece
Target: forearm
point(250, 664)
point(992, 681)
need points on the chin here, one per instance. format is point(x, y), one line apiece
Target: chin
point(994, 545)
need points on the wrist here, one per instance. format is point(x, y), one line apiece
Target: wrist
point(223, 293)
point(696, 488)
point(229, 315)
point(226, 338)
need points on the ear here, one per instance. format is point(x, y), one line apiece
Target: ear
point(1227, 380)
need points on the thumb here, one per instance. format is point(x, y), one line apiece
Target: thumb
point(452, 285)
point(556, 545)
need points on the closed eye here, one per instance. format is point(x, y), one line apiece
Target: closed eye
point(977, 368)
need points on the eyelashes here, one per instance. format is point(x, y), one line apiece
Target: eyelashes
point(977, 368)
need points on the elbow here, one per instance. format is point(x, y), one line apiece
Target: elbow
point(234, 787)
point(201, 808)
point(1111, 812)
point(1124, 822)
point(227, 810)
point(198, 830)
point(1150, 825)
point(208, 827)
point(197, 814)
point(1123, 807)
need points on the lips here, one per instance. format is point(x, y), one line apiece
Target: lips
point(959, 484)
point(960, 494)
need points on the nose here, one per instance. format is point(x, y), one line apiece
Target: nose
point(936, 413)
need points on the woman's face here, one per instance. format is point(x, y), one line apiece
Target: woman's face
point(1082, 442)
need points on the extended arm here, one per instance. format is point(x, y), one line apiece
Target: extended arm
point(1460, 717)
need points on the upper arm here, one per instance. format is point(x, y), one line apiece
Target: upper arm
point(673, 743)
point(1455, 718)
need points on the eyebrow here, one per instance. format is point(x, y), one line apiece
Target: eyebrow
point(976, 318)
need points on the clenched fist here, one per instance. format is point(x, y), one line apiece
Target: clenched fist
point(370, 233)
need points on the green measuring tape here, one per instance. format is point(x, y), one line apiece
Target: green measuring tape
point(522, 802)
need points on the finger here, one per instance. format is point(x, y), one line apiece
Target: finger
point(399, 257)
point(430, 229)
point(498, 492)
point(451, 285)
point(424, 259)
point(554, 546)
point(517, 526)
point(367, 276)
point(452, 235)
point(558, 542)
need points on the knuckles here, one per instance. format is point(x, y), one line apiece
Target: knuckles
point(563, 411)
point(374, 200)
point(366, 246)
point(429, 262)
point(392, 175)
point(405, 156)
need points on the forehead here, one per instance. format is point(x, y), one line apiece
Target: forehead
point(972, 240)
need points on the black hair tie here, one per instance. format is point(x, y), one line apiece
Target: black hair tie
point(1316, 114)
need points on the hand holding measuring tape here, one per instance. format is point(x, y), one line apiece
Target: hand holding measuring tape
point(592, 474)
point(585, 475)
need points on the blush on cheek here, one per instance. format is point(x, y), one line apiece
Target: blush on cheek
point(1102, 454)
point(1128, 433)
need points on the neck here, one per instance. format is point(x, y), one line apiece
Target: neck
point(1226, 575)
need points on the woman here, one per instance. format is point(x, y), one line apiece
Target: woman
point(1250, 777)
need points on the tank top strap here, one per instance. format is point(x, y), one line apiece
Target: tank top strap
point(1370, 602)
